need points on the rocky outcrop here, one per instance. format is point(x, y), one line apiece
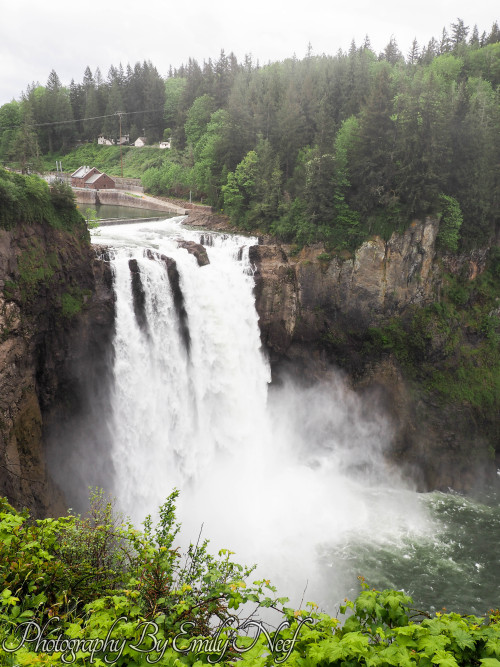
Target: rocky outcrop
point(139, 296)
point(56, 314)
point(315, 310)
point(195, 249)
point(300, 296)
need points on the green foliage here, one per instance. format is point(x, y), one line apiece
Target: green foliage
point(451, 346)
point(240, 189)
point(112, 594)
point(91, 218)
point(170, 179)
point(198, 118)
point(35, 270)
point(71, 304)
point(28, 199)
point(450, 223)
point(95, 573)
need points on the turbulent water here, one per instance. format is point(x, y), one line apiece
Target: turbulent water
point(290, 478)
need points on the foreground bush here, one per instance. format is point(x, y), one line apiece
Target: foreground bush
point(28, 199)
point(93, 590)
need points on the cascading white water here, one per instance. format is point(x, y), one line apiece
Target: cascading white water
point(279, 479)
point(176, 411)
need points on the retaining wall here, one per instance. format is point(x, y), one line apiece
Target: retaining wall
point(118, 198)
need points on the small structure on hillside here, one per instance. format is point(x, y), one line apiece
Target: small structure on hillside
point(140, 142)
point(79, 176)
point(123, 140)
point(165, 144)
point(100, 182)
point(91, 177)
point(104, 141)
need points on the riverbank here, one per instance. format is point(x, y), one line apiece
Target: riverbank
point(201, 215)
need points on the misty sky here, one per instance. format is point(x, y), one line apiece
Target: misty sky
point(36, 37)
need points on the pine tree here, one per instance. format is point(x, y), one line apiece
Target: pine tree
point(392, 53)
point(24, 148)
point(494, 35)
point(59, 131)
point(474, 39)
point(459, 32)
point(373, 161)
point(445, 43)
point(413, 53)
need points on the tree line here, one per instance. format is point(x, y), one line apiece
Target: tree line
point(323, 148)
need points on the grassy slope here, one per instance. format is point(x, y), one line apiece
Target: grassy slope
point(107, 159)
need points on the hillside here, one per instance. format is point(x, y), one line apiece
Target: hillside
point(327, 148)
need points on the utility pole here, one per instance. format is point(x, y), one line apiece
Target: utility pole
point(119, 113)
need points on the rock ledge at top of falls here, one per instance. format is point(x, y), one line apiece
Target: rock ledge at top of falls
point(195, 249)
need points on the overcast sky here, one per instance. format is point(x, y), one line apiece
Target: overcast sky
point(36, 37)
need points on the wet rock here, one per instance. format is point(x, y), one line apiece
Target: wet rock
point(197, 250)
point(43, 351)
point(138, 296)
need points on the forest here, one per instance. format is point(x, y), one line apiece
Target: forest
point(323, 148)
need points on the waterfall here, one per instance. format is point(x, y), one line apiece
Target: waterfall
point(285, 477)
point(177, 407)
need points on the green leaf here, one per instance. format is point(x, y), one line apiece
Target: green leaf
point(444, 658)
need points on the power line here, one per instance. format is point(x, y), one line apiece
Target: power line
point(79, 120)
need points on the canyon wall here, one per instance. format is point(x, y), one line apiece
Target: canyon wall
point(319, 310)
point(56, 323)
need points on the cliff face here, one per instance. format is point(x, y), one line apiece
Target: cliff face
point(56, 316)
point(316, 310)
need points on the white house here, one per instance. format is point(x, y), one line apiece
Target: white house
point(105, 142)
point(140, 142)
point(165, 144)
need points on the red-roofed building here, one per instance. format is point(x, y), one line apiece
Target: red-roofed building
point(79, 176)
point(100, 182)
point(91, 177)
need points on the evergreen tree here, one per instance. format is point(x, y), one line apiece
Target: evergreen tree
point(154, 102)
point(77, 101)
point(58, 114)
point(429, 52)
point(174, 89)
point(373, 161)
point(413, 53)
point(494, 35)
point(474, 39)
point(24, 149)
point(392, 53)
point(445, 43)
point(110, 126)
point(459, 32)
point(10, 121)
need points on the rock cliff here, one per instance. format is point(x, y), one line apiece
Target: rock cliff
point(317, 309)
point(56, 316)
